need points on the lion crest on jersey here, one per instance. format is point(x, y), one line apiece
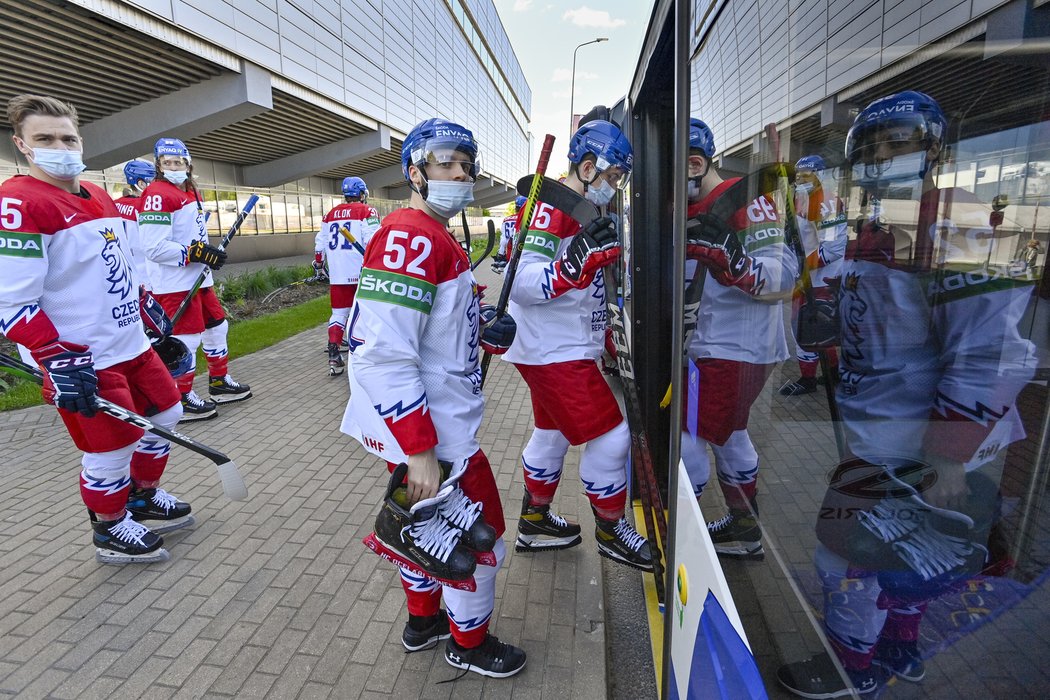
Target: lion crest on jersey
point(118, 273)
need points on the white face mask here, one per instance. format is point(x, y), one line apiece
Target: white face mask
point(899, 175)
point(447, 197)
point(176, 177)
point(804, 188)
point(693, 189)
point(59, 163)
point(600, 195)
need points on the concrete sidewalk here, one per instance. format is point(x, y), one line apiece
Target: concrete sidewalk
point(274, 596)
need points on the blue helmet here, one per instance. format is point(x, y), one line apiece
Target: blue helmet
point(904, 115)
point(608, 144)
point(433, 141)
point(814, 163)
point(170, 147)
point(355, 187)
point(519, 202)
point(701, 138)
point(136, 170)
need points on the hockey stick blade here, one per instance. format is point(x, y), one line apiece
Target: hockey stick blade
point(563, 198)
point(488, 246)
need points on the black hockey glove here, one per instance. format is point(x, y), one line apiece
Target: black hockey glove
point(154, 318)
point(712, 242)
point(69, 376)
point(497, 333)
point(590, 250)
point(201, 252)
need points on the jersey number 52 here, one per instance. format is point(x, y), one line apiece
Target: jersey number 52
point(399, 248)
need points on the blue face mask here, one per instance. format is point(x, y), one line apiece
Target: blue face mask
point(59, 163)
point(447, 198)
point(600, 195)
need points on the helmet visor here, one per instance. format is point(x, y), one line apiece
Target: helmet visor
point(870, 142)
point(450, 153)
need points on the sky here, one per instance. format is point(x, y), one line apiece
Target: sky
point(544, 34)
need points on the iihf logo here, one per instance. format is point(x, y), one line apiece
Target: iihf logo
point(118, 275)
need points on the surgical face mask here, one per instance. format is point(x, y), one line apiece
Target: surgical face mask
point(601, 194)
point(176, 177)
point(897, 177)
point(693, 188)
point(59, 163)
point(804, 188)
point(448, 197)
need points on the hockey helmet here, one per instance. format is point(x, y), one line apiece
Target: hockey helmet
point(170, 147)
point(175, 356)
point(519, 202)
point(355, 187)
point(608, 145)
point(814, 163)
point(907, 115)
point(136, 170)
point(701, 138)
point(435, 141)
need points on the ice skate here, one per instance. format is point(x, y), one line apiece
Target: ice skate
point(464, 513)
point(126, 541)
point(431, 631)
point(619, 541)
point(226, 390)
point(798, 387)
point(335, 360)
point(540, 529)
point(492, 658)
point(737, 534)
point(157, 504)
point(196, 408)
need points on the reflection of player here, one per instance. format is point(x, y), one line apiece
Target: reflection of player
point(344, 258)
point(931, 364)
point(509, 229)
point(67, 294)
point(739, 335)
point(822, 225)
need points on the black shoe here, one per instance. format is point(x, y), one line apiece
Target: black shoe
point(493, 658)
point(540, 529)
point(902, 659)
point(225, 390)
point(802, 385)
point(737, 534)
point(158, 504)
point(429, 636)
point(619, 541)
point(125, 541)
point(335, 360)
point(818, 678)
point(196, 408)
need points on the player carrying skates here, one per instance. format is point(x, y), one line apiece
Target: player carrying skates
point(138, 174)
point(416, 335)
point(171, 226)
point(558, 300)
point(344, 258)
point(931, 364)
point(68, 293)
point(822, 225)
point(739, 337)
point(508, 231)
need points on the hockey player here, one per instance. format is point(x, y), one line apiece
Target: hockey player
point(138, 174)
point(67, 294)
point(822, 225)
point(344, 258)
point(558, 300)
point(739, 336)
point(931, 364)
point(416, 335)
point(171, 226)
point(508, 231)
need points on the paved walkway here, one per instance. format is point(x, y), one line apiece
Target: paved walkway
point(274, 596)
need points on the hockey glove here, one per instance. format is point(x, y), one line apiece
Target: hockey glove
point(69, 376)
point(590, 250)
point(318, 264)
point(712, 242)
point(201, 252)
point(154, 318)
point(497, 333)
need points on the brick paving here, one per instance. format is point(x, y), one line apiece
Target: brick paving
point(274, 596)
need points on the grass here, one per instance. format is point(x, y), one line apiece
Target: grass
point(19, 393)
point(259, 283)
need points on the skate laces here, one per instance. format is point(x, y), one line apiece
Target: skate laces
point(628, 535)
point(194, 400)
point(164, 499)
point(927, 551)
point(722, 523)
point(129, 531)
point(434, 536)
point(556, 519)
point(459, 510)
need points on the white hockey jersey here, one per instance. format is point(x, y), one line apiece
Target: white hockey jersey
point(508, 230)
point(415, 374)
point(824, 231)
point(344, 259)
point(63, 272)
point(169, 221)
point(129, 211)
point(555, 323)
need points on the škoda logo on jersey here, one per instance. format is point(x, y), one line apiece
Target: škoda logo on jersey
point(540, 242)
point(395, 288)
point(21, 245)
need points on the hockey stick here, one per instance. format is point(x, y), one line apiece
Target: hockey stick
point(222, 246)
point(519, 241)
point(232, 482)
point(466, 231)
point(307, 280)
point(488, 246)
point(345, 230)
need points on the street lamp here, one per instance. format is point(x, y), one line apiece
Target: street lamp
point(572, 88)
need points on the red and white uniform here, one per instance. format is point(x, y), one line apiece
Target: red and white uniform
point(416, 383)
point(129, 211)
point(344, 258)
point(508, 230)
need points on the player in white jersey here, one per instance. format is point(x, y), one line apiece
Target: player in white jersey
point(344, 258)
point(171, 227)
point(822, 226)
point(138, 174)
point(508, 231)
point(415, 337)
point(739, 336)
point(558, 300)
point(931, 364)
point(68, 294)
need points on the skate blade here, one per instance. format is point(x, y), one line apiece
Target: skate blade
point(738, 552)
point(160, 527)
point(391, 555)
point(108, 556)
point(230, 399)
point(192, 417)
point(620, 560)
point(334, 372)
point(522, 544)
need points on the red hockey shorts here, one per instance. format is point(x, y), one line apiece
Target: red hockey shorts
point(573, 398)
point(342, 295)
point(204, 310)
point(727, 389)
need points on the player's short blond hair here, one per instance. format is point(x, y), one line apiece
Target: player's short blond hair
point(21, 107)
